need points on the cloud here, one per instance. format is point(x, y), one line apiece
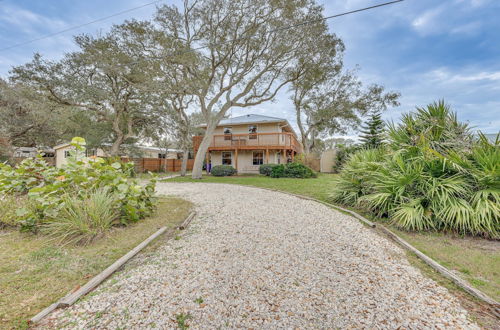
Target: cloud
point(26, 20)
point(446, 76)
point(427, 22)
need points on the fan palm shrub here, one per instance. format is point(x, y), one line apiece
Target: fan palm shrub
point(431, 176)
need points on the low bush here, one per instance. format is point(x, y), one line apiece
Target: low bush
point(266, 169)
point(46, 189)
point(431, 176)
point(292, 170)
point(223, 170)
point(278, 171)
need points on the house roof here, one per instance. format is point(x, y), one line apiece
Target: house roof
point(248, 119)
point(63, 145)
point(251, 119)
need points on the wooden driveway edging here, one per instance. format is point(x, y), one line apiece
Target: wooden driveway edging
point(72, 297)
point(460, 282)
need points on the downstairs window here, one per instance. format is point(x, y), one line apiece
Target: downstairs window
point(258, 158)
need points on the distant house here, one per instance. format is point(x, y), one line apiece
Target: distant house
point(248, 141)
point(21, 153)
point(30, 152)
point(63, 151)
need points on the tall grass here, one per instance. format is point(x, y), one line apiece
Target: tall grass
point(431, 175)
point(83, 219)
point(8, 211)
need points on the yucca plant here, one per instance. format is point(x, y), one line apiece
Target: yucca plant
point(434, 126)
point(83, 218)
point(432, 175)
point(355, 179)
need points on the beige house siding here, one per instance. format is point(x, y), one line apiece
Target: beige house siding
point(245, 160)
point(61, 155)
point(243, 129)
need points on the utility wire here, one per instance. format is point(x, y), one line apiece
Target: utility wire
point(78, 26)
point(278, 29)
point(201, 47)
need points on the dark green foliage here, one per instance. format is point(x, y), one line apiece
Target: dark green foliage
point(342, 154)
point(266, 169)
point(223, 170)
point(292, 170)
point(278, 171)
point(372, 132)
point(43, 191)
point(428, 178)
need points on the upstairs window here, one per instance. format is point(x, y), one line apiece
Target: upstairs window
point(163, 156)
point(227, 158)
point(252, 131)
point(228, 131)
point(258, 158)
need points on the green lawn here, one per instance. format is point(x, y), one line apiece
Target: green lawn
point(318, 188)
point(477, 260)
point(35, 272)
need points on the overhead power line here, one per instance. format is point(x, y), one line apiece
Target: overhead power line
point(280, 29)
point(312, 21)
point(79, 26)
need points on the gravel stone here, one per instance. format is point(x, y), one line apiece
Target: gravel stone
point(260, 259)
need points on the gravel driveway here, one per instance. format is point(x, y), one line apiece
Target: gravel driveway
point(259, 259)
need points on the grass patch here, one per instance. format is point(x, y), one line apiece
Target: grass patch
point(35, 272)
point(474, 259)
point(319, 187)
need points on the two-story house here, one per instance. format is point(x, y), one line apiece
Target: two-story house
point(248, 141)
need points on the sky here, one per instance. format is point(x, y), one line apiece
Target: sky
point(425, 49)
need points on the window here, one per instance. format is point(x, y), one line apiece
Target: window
point(252, 131)
point(163, 156)
point(258, 158)
point(227, 157)
point(67, 153)
point(228, 131)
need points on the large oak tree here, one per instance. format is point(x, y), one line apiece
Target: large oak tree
point(246, 48)
point(105, 78)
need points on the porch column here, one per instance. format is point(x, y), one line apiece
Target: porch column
point(207, 161)
point(293, 154)
point(236, 159)
point(267, 156)
point(285, 158)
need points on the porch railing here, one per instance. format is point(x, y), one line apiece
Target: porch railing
point(283, 140)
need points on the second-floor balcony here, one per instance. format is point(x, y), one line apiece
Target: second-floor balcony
point(284, 140)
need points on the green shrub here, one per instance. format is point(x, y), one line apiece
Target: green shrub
point(428, 178)
point(278, 171)
point(292, 170)
point(266, 169)
point(223, 170)
point(342, 154)
point(83, 218)
point(46, 188)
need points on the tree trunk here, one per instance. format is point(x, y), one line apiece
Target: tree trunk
point(185, 154)
point(202, 150)
point(115, 147)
